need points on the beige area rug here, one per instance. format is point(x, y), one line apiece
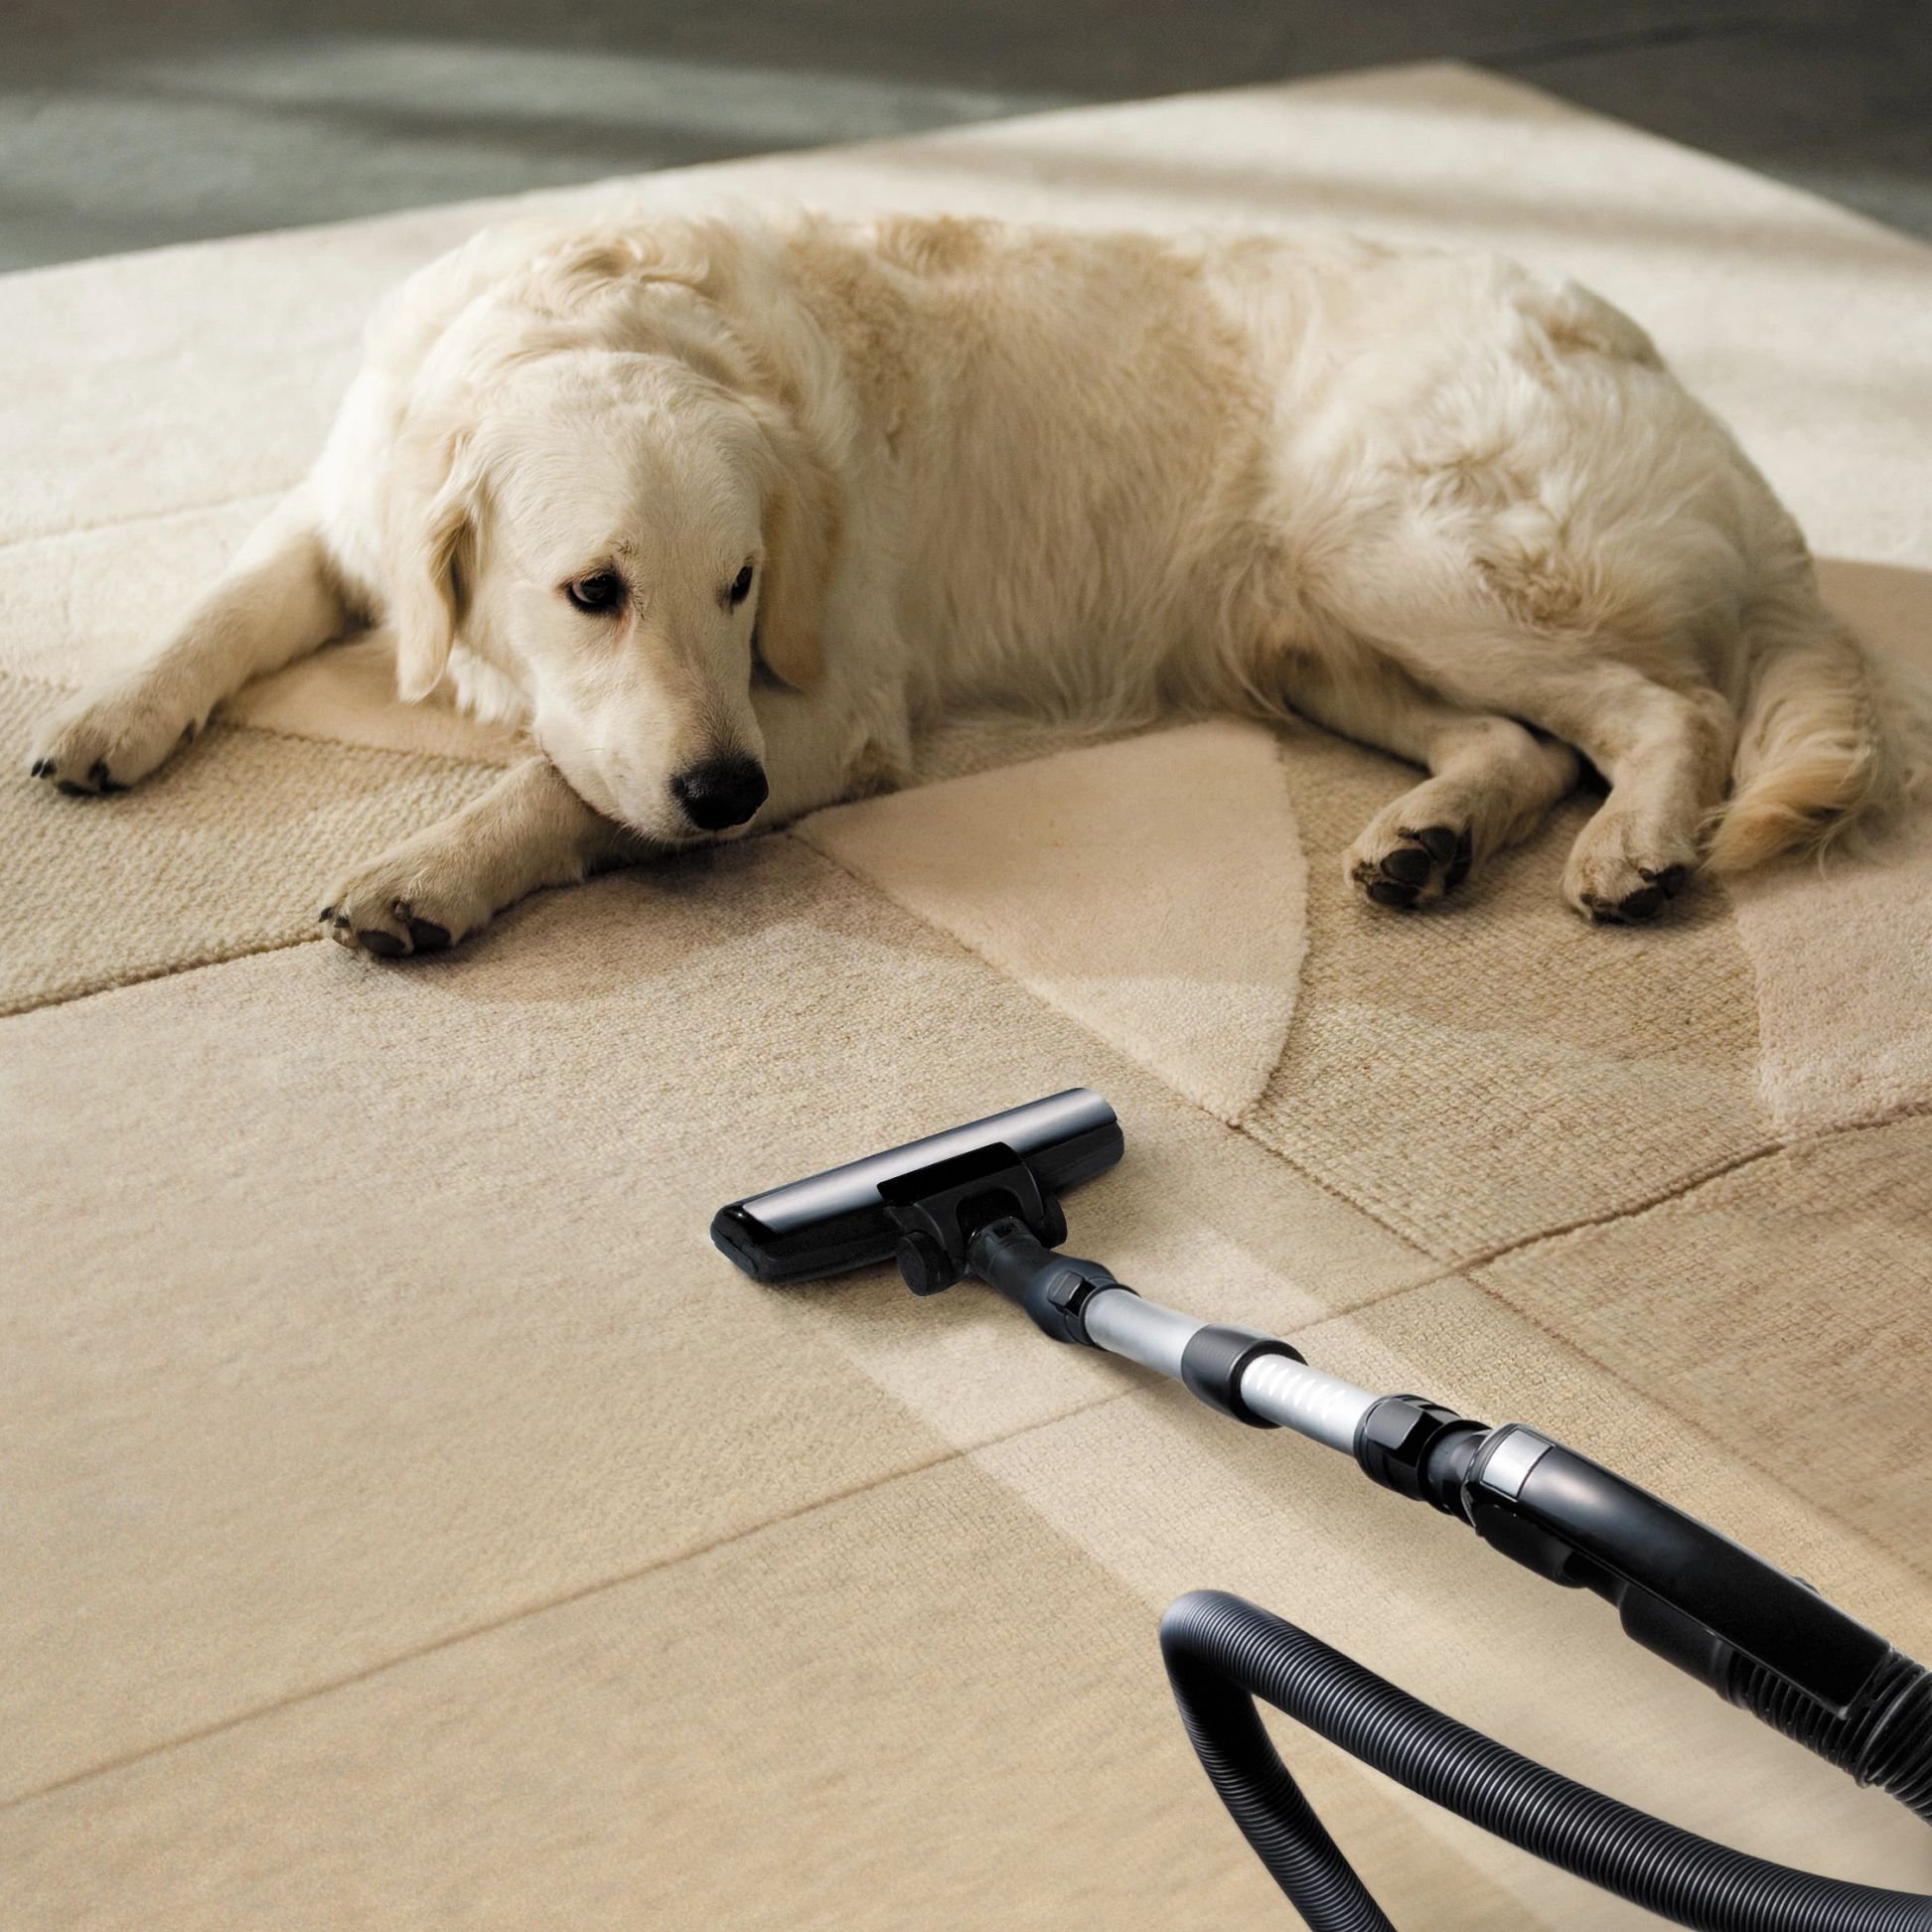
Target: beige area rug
point(411, 1521)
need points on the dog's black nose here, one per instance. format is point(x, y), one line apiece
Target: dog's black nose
point(720, 792)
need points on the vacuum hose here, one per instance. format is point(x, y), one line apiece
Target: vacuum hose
point(1223, 1652)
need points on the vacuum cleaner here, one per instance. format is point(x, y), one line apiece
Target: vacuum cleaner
point(984, 1201)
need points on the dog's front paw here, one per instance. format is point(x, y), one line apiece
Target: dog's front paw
point(106, 740)
point(392, 909)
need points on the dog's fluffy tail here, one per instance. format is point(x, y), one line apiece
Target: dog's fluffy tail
point(1832, 741)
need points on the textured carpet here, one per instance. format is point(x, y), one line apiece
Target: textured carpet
point(411, 1521)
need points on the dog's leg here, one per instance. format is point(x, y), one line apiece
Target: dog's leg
point(1666, 754)
point(276, 601)
point(1490, 780)
point(529, 829)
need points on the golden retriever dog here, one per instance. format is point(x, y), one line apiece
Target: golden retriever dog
point(721, 512)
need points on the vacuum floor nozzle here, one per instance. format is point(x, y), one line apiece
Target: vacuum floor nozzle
point(842, 1219)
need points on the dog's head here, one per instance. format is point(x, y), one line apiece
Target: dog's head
point(632, 535)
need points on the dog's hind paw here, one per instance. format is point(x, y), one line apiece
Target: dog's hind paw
point(1624, 871)
point(1406, 867)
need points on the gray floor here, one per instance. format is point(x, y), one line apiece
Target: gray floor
point(125, 125)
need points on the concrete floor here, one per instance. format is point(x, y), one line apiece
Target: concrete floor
point(123, 125)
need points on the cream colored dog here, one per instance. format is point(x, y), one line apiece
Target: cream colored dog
point(721, 512)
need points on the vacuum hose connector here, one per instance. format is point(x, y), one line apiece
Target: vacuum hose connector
point(1052, 1287)
point(1684, 1590)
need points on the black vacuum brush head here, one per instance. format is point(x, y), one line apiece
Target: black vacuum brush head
point(842, 1219)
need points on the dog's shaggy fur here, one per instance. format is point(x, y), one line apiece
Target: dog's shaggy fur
point(719, 510)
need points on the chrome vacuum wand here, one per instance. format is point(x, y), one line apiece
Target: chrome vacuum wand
point(983, 1200)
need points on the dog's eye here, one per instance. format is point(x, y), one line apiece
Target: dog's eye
point(599, 594)
point(740, 587)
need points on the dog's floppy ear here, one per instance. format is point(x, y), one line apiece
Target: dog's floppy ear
point(801, 529)
point(429, 544)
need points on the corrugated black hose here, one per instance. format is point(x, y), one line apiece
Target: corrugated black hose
point(1223, 1652)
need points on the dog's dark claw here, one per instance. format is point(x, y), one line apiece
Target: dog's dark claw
point(386, 946)
point(1671, 881)
point(1439, 842)
point(40, 767)
point(1408, 864)
point(1387, 892)
point(327, 913)
point(72, 790)
point(1459, 865)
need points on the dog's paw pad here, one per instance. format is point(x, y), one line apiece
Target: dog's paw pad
point(1636, 908)
point(1410, 866)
